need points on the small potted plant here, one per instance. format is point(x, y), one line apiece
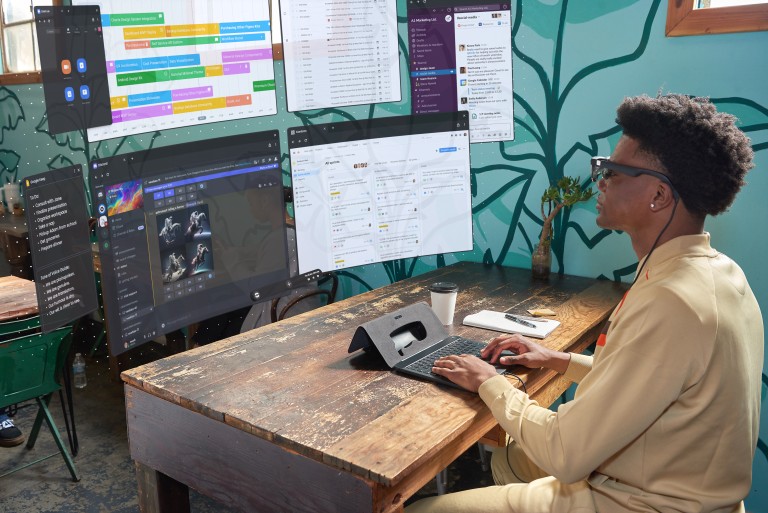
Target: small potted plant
point(566, 193)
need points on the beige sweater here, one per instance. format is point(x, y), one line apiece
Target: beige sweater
point(666, 414)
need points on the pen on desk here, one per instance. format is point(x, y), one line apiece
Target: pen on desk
point(519, 320)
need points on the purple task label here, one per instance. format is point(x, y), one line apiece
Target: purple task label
point(192, 93)
point(152, 111)
point(110, 66)
point(246, 55)
point(238, 68)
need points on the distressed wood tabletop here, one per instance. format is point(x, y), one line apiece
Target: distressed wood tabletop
point(294, 384)
point(18, 298)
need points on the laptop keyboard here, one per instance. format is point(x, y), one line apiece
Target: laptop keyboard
point(458, 346)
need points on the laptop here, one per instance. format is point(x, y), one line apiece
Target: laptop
point(411, 339)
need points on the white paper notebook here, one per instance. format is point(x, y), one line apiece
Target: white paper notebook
point(496, 321)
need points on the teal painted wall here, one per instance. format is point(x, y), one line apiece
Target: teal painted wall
point(574, 62)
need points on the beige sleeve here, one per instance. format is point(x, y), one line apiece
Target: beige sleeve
point(641, 372)
point(578, 367)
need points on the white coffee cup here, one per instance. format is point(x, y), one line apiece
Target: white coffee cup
point(444, 300)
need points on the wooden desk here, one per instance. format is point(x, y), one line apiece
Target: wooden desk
point(18, 298)
point(282, 418)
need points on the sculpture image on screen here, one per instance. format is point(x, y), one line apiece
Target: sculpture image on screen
point(188, 232)
point(381, 189)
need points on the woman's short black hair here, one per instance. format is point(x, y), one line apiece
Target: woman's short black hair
point(702, 151)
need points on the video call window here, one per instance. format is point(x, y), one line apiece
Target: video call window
point(461, 59)
point(381, 189)
point(188, 232)
point(73, 67)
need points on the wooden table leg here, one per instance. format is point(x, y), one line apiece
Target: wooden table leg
point(159, 493)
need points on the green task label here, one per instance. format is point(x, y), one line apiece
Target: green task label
point(263, 85)
point(136, 18)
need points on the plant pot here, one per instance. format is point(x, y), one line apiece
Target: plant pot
point(541, 261)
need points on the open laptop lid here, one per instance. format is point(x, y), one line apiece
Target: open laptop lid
point(400, 334)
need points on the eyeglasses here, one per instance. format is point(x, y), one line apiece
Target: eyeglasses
point(603, 167)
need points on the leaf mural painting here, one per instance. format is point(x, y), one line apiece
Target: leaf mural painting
point(11, 115)
point(541, 125)
point(9, 166)
point(743, 108)
point(11, 112)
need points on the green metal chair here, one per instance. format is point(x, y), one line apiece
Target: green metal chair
point(31, 368)
point(27, 326)
point(19, 327)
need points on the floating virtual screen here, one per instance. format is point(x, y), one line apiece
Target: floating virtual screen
point(381, 189)
point(188, 232)
point(73, 67)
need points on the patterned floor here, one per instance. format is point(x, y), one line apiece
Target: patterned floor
point(107, 482)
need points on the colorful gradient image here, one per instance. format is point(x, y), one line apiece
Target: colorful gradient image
point(124, 197)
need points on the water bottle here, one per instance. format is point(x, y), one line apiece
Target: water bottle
point(78, 370)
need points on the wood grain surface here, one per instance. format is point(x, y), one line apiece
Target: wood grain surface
point(293, 383)
point(18, 298)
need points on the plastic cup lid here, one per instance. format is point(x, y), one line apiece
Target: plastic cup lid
point(444, 287)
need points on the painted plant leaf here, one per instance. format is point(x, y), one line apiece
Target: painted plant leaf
point(753, 118)
point(9, 165)
point(542, 12)
point(72, 140)
point(11, 111)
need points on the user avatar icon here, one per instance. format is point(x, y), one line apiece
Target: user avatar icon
point(82, 67)
point(69, 94)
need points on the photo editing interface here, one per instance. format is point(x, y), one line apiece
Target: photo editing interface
point(461, 59)
point(73, 67)
point(381, 189)
point(188, 232)
point(172, 64)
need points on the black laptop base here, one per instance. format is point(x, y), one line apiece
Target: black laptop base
point(420, 365)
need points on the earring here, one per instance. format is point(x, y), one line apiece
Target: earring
point(653, 205)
